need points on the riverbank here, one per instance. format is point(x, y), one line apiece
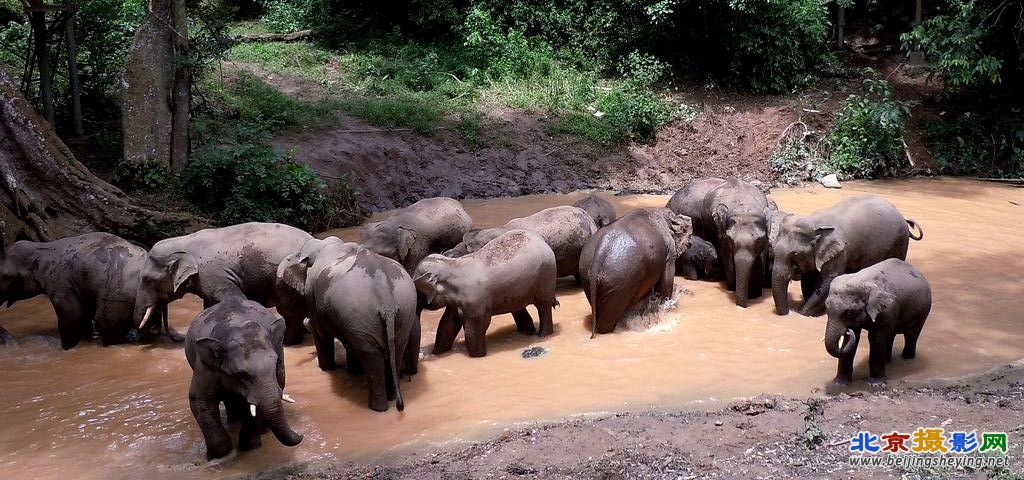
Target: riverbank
point(764, 437)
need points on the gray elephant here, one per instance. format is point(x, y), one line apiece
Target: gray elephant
point(689, 201)
point(565, 229)
point(91, 280)
point(853, 234)
point(887, 299)
point(734, 219)
point(700, 260)
point(220, 263)
point(632, 259)
point(512, 271)
point(431, 225)
point(235, 349)
point(599, 209)
point(366, 301)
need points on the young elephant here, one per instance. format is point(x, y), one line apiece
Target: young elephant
point(631, 259)
point(220, 263)
point(363, 299)
point(509, 273)
point(689, 201)
point(886, 299)
point(90, 279)
point(565, 229)
point(431, 225)
point(235, 349)
point(700, 260)
point(853, 234)
point(599, 209)
point(734, 221)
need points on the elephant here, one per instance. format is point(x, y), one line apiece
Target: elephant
point(220, 263)
point(689, 201)
point(431, 225)
point(366, 301)
point(853, 234)
point(734, 220)
point(632, 259)
point(775, 217)
point(700, 260)
point(599, 209)
point(236, 351)
point(565, 229)
point(91, 279)
point(886, 299)
point(512, 271)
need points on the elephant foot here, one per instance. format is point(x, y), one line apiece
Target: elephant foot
point(379, 405)
point(908, 354)
point(247, 443)
point(175, 336)
point(439, 350)
point(222, 452)
point(544, 332)
point(877, 383)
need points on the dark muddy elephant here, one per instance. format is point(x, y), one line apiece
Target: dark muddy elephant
point(734, 219)
point(512, 271)
point(700, 260)
point(887, 299)
point(689, 201)
point(220, 263)
point(366, 301)
point(565, 229)
point(632, 259)
point(599, 209)
point(431, 225)
point(91, 280)
point(853, 234)
point(236, 352)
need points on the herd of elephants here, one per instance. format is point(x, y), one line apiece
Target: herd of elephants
point(849, 259)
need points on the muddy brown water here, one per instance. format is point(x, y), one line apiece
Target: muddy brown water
point(122, 412)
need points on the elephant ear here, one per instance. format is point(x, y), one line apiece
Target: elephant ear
point(292, 272)
point(183, 267)
point(720, 214)
point(827, 246)
point(879, 301)
point(428, 285)
point(406, 240)
point(277, 332)
point(681, 227)
point(211, 352)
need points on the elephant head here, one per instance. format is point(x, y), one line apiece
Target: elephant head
point(293, 271)
point(248, 366)
point(801, 247)
point(431, 281)
point(473, 240)
point(852, 307)
point(18, 273)
point(164, 278)
point(744, 238)
point(388, 240)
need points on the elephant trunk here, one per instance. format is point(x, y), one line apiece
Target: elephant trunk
point(780, 287)
point(269, 400)
point(743, 263)
point(834, 331)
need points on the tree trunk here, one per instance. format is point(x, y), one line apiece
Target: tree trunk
point(148, 121)
point(76, 89)
point(840, 24)
point(37, 21)
point(52, 194)
point(181, 97)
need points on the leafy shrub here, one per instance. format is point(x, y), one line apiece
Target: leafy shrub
point(799, 156)
point(990, 143)
point(148, 177)
point(284, 16)
point(867, 138)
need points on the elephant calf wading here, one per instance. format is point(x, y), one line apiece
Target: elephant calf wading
point(734, 219)
point(366, 301)
point(632, 259)
point(886, 299)
point(90, 279)
point(216, 264)
point(851, 235)
point(598, 208)
point(235, 349)
point(431, 225)
point(700, 260)
point(510, 272)
point(565, 229)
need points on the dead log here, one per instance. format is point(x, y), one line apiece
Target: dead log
point(276, 37)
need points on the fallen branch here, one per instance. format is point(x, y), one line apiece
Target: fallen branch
point(906, 150)
point(786, 130)
point(840, 442)
point(1011, 181)
point(275, 37)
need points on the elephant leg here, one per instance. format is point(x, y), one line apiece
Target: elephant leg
point(756, 282)
point(69, 316)
point(373, 362)
point(547, 325)
point(910, 342)
point(667, 281)
point(86, 324)
point(293, 329)
point(411, 360)
point(730, 272)
point(249, 435)
point(844, 374)
point(808, 282)
point(578, 279)
point(353, 365)
point(476, 332)
point(888, 350)
point(113, 322)
point(815, 305)
point(524, 322)
point(686, 268)
point(876, 361)
point(205, 408)
point(324, 349)
point(447, 329)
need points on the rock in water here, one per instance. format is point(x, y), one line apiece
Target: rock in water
point(534, 352)
point(830, 181)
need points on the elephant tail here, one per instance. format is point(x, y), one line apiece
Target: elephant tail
point(920, 231)
point(388, 317)
point(593, 307)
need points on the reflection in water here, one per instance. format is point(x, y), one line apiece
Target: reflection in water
point(122, 412)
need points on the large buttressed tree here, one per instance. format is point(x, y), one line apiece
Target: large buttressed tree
point(45, 193)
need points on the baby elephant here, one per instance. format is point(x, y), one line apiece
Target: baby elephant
point(886, 299)
point(236, 351)
point(599, 209)
point(631, 259)
point(509, 273)
point(699, 261)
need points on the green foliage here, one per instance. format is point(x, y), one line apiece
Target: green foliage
point(989, 143)
point(284, 16)
point(400, 111)
point(799, 156)
point(147, 177)
point(867, 138)
point(812, 434)
point(253, 102)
